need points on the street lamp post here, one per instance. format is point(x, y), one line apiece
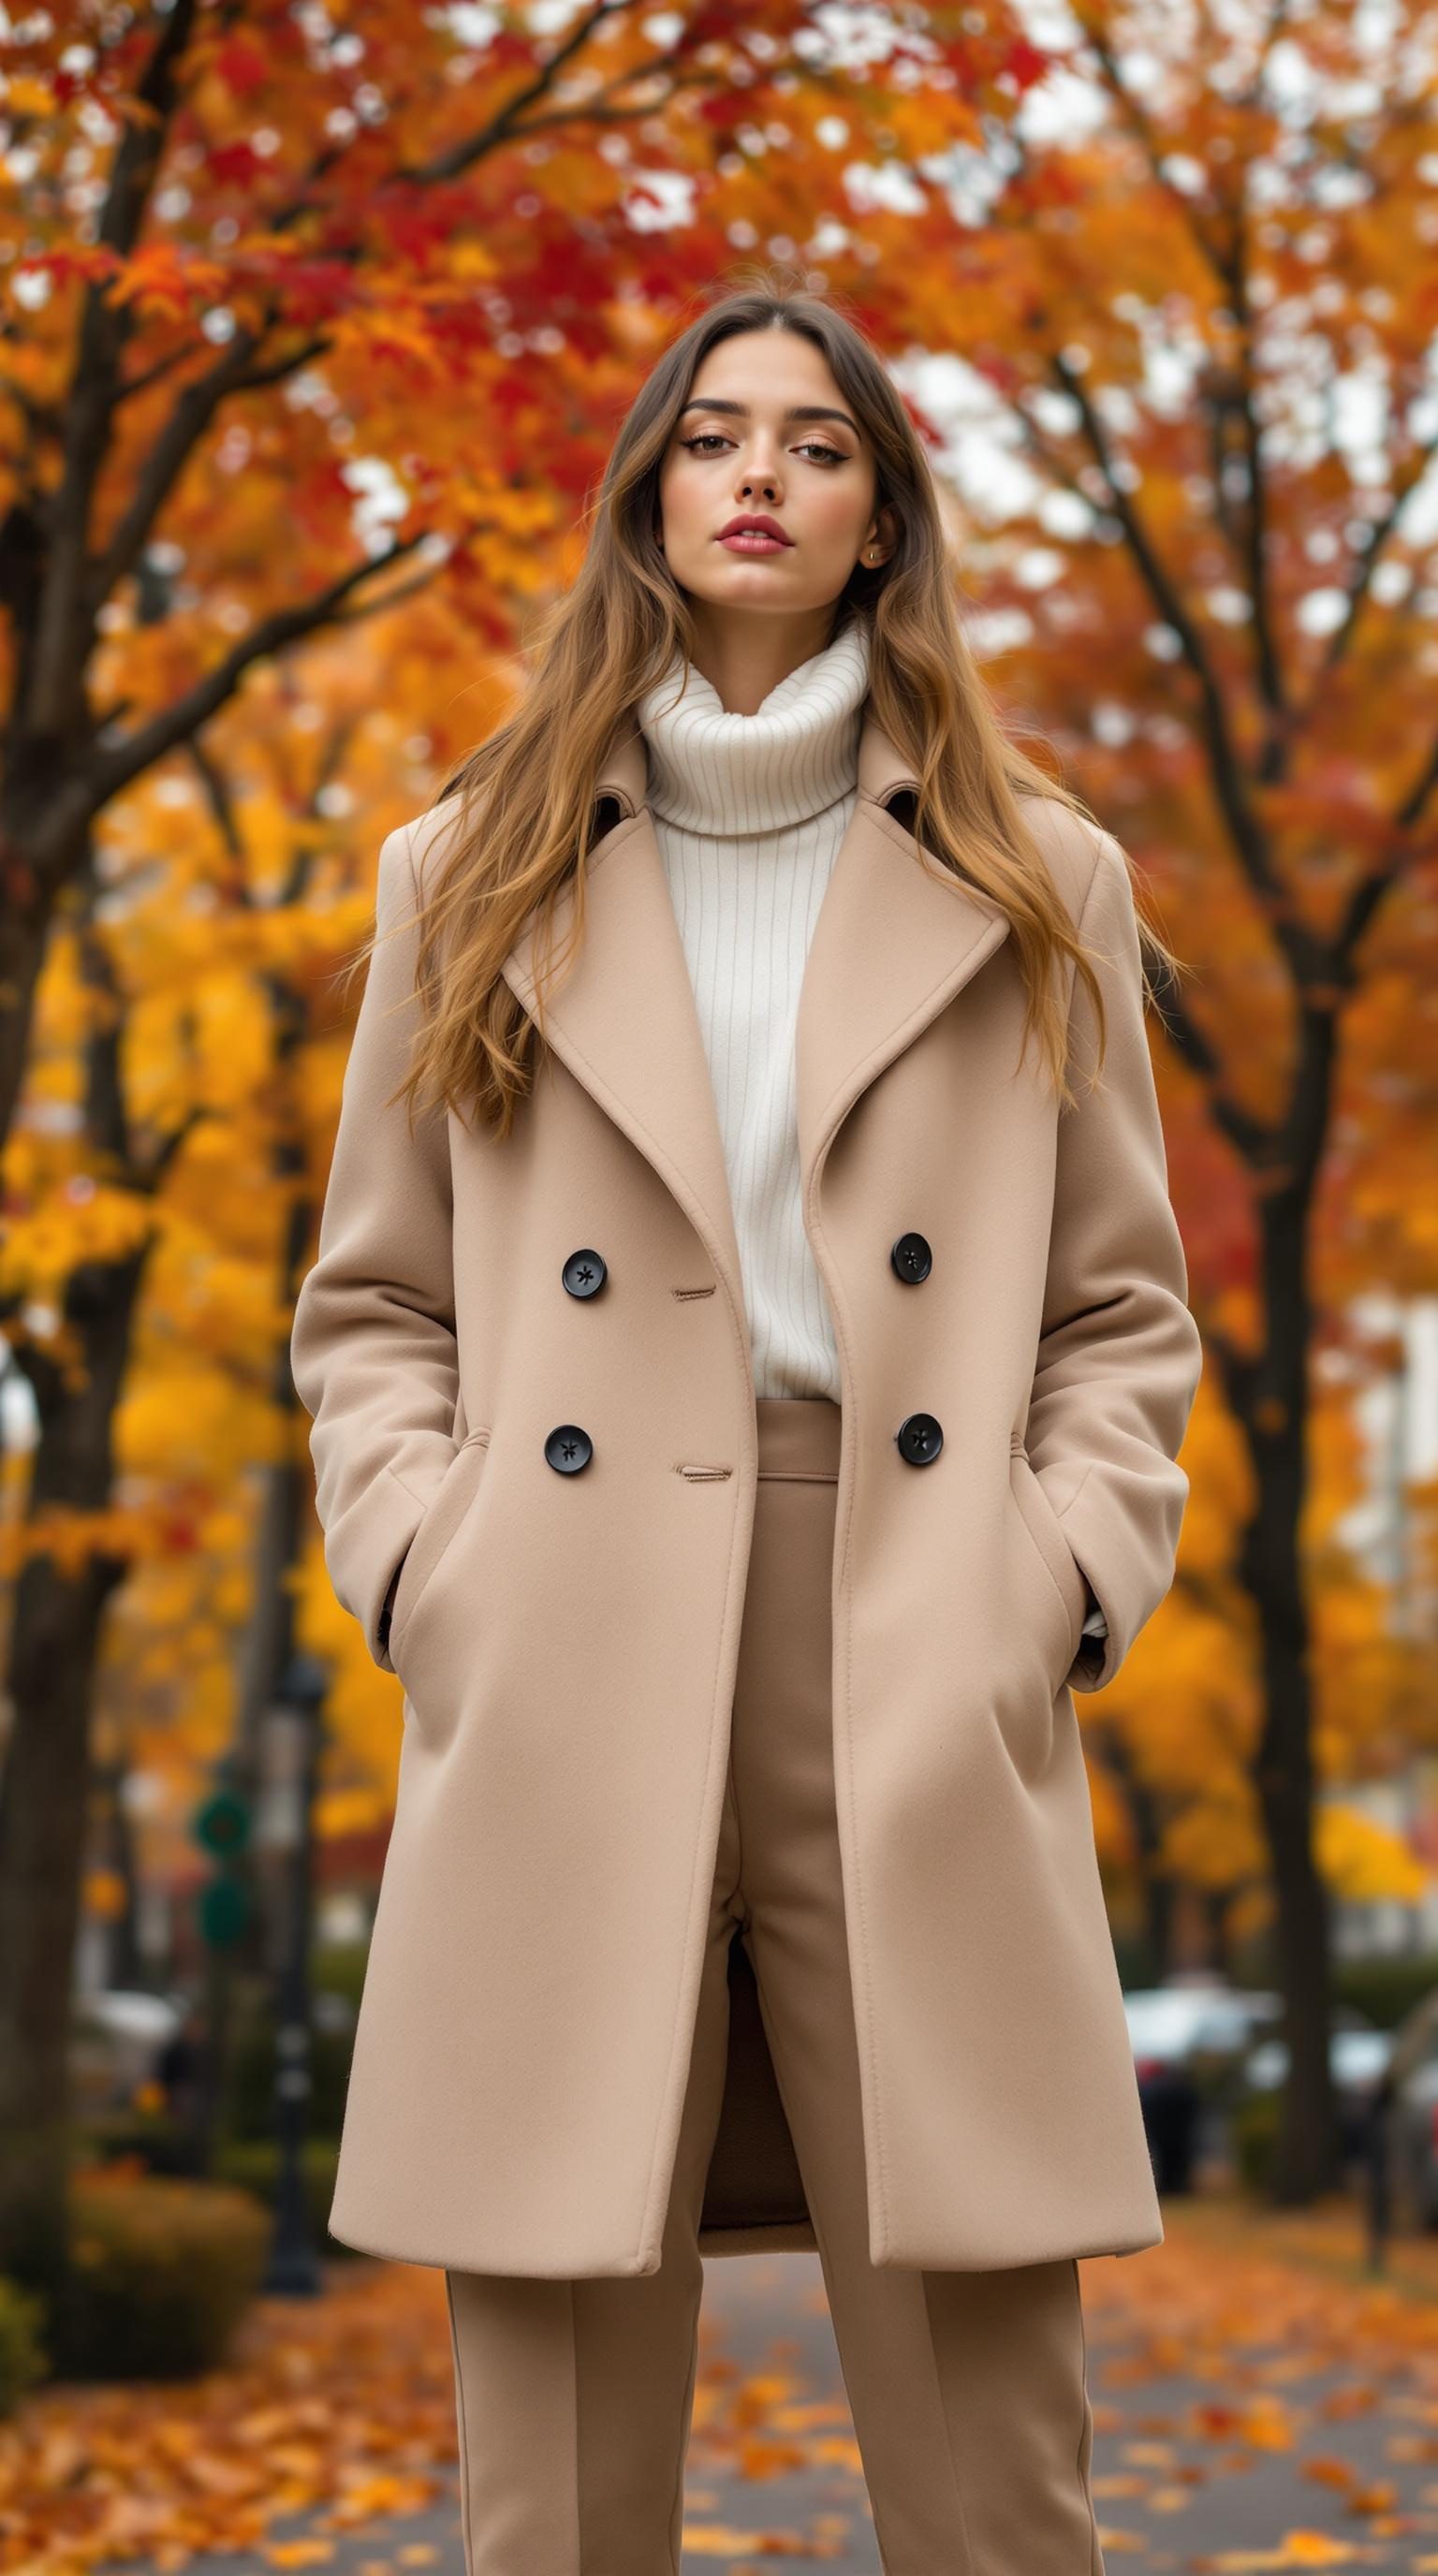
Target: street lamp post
point(296, 1724)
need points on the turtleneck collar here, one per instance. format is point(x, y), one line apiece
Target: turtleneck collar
point(731, 776)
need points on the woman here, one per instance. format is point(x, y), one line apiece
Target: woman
point(748, 1355)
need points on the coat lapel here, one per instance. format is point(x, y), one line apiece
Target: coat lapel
point(623, 1017)
point(893, 943)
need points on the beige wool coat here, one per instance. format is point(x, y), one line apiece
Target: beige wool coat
point(567, 1642)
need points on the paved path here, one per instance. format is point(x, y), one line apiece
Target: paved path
point(1216, 2440)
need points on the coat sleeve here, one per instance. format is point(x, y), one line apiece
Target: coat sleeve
point(1119, 1355)
point(372, 1348)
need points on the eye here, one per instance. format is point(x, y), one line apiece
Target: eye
point(709, 439)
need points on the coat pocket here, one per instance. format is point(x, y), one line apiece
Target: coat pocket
point(426, 1550)
point(1059, 1563)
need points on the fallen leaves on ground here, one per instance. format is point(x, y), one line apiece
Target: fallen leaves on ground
point(1245, 2344)
point(342, 2406)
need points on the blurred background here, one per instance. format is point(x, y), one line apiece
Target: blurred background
point(316, 325)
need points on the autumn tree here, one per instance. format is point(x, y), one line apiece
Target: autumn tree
point(1191, 288)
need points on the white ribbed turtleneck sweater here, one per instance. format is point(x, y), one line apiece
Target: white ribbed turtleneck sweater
point(749, 812)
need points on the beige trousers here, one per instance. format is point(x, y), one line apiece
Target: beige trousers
point(967, 2389)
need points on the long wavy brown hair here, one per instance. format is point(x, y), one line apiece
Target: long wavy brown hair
point(525, 799)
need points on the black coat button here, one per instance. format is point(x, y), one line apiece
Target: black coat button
point(568, 1448)
point(920, 1437)
point(912, 1258)
point(584, 1274)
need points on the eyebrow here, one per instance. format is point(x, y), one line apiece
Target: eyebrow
point(798, 411)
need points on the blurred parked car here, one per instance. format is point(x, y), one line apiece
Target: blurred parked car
point(115, 2038)
point(1358, 2058)
point(1190, 2041)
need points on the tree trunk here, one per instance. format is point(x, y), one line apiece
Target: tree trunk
point(1275, 1419)
point(44, 1792)
point(1155, 1885)
point(22, 951)
point(127, 1960)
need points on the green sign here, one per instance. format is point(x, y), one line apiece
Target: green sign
point(224, 1912)
point(222, 1824)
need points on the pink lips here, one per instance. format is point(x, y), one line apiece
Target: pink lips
point(754, 536)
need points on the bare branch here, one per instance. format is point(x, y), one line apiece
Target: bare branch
point(1229, 268)
point(507, 126)
point(168, 365)
point(193, 414)
point(611, 105)
point(1410, 811)
point(1144, 135)
point(1249, 1136)
point(112, 767)
point(395, 598)
point(165, 462)
point(1255, 518)
point(501, 128)
point(60, 649)
point(273, 371)
point(1231, 784)
point(1371, 889)
point(1370, 554)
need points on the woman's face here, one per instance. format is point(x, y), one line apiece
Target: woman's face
point(766, 433)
